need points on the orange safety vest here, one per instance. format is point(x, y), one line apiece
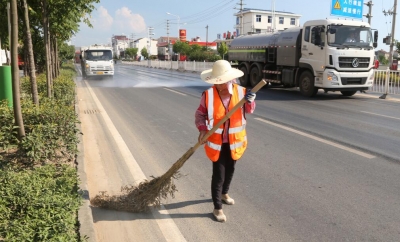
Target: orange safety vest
point(237, 124)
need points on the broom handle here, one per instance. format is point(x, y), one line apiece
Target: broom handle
point(229, 114)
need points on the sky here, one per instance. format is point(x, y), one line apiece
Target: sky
point(133, 17)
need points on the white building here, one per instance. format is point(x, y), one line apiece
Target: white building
point(261, 21)
point(144, 43)
point(119, 43)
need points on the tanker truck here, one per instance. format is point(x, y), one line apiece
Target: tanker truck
point(97, 60)
point(318, 55)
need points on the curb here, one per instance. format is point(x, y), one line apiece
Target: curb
point(85, 217)
point(389, 97)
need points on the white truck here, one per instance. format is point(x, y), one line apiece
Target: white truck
point(318, 55)
point(97, 60)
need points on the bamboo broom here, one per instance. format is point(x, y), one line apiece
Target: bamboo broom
point(149, 193)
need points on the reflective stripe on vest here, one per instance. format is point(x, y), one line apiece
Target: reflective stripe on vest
point(237, 124)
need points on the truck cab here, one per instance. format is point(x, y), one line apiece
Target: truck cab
point(340, 54)
point(97, 60)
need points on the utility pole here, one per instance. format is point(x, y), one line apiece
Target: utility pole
point(273, 23)
point(369, 14)
point(132, 40)
point(241, 17)
point(207, 37)
point(391, 43)
point(149, 33)
point(168, 51)
point(393, 29)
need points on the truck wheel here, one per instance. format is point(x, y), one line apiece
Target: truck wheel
point(306, 84)
point(255, 77)
point(244, 80)
point(348, 93)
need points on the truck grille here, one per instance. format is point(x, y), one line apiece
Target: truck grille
point(353, 81)
point(351, 62)
point(100, 68)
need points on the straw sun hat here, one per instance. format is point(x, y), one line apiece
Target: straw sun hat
point(220, 73)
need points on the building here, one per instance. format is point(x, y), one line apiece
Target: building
point(261, 21)
point(145, 43)
point(163, 52)
point(119, 44)
point(382, 52)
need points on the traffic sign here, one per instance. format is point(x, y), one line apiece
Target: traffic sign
point(347, 8)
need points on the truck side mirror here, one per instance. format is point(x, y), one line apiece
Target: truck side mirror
point(376, 36)
point(80, 57)
point(375, 44)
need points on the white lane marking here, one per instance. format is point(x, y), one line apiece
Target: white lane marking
point(183, 94)
point(380, 115)
point(166, 224)
point(318, 139)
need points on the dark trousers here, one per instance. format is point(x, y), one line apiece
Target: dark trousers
point(223, 170)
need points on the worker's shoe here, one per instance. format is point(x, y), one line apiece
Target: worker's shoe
point(227, 199)
point(219, 215)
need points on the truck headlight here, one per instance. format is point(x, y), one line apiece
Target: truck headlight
point(332, 77)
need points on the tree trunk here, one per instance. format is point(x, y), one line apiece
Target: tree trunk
point(31, 60)
point(53, 56)
point(47, 49)
point(15, 70)
point(50, 49)
point(56, 59)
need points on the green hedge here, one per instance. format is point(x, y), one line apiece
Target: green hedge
point(39, 204)
point(39, 197)
point(51, 127)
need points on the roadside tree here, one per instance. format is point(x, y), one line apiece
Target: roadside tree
point(144, 53)
point(222, 49)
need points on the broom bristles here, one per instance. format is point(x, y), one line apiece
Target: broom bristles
point(140, 198)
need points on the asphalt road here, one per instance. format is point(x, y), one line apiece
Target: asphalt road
point(321, 169)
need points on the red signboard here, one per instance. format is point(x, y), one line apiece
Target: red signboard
point(182, 34)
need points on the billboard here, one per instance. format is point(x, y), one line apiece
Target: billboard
point(347, 8)
point(182, 34)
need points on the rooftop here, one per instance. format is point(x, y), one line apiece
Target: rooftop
point(263, 10)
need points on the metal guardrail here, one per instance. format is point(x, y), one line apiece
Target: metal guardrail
point(386, 82)
point(194, 66)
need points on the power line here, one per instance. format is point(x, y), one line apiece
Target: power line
point(212, 8)
point(213, 15)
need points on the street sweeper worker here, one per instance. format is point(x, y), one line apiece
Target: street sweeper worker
point(228, 143)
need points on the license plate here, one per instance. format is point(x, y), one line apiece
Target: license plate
point(100, 73)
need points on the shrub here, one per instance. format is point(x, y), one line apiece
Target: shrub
point(8, 131)
point(213, 58)
point(50, 127)
point(39, 204)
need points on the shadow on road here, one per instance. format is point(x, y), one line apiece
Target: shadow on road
point(100, 214)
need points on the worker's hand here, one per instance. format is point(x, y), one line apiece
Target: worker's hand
point(201, 136)
point(250, 96)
